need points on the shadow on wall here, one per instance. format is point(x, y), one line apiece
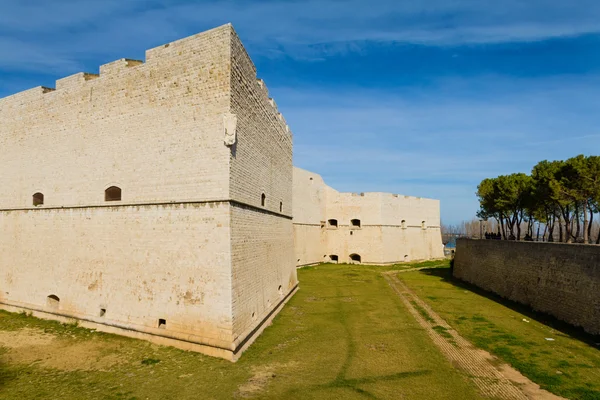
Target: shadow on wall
point(576, 332)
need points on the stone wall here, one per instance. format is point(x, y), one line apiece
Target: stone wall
point(262, 241)
point(562, 280)
point(189, 256)
point(387, 228)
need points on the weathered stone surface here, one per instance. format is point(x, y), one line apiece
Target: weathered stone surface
point(391, 228)
point(190, 241)
point(562, 280)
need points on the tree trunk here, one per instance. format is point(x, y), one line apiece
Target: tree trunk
point(568, 228)
point(550, 227)
point(585, 223)
point(590, 224)
point(560, 231)
point(544, 235)
point(576, 221)
point(537, 238)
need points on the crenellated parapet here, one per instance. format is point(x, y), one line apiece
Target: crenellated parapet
point(27, 95)
point(118, 66)
point(75, 80)
point(264, 90)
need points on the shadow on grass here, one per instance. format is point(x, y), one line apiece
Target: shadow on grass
point(341, 381)
point(5, 375)
point(563, 327)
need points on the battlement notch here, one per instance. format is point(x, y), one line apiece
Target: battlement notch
point(118, 66)
point(74, 80)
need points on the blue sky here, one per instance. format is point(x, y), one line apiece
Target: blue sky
point(416, 98)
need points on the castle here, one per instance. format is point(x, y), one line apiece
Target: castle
point(365, 228)
point(154, 200)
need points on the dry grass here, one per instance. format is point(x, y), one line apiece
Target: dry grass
point(344, 335)
point(568, 365)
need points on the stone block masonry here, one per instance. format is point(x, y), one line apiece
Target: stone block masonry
point(562, 280)
point(152, 200)
point(366, 228)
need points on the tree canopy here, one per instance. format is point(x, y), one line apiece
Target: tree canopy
point(563, 194)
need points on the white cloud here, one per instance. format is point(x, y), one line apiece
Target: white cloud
point(312, 29)
point(442, 141)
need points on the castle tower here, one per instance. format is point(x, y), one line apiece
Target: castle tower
point(153, 200)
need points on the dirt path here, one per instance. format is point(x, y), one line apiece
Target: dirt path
point(494, 380)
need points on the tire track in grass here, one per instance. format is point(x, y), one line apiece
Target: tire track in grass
point(492, 380)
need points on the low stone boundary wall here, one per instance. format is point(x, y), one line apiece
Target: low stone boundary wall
point(562, 280)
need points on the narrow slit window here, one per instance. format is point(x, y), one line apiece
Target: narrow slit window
point(281, 206)
point(332, 223)
point(355, 223)
point(423, 226)
point(113, 193)
point(403, 224)
point(38, 199)
point(355, 258)
point(263, 200)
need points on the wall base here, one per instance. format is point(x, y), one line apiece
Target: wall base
point(187, 343)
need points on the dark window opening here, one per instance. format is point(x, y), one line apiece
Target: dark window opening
point(280, 290)
point(355, 258)
point(355, 223)
point(113, 193)
point(162, 323)
point(423, 226)
point(102, 312)
point(333, 223)
point(352, 233)
point(38, 199)
point(52, 301)
point(333, 258)
point(281, 206)
point(263, 200)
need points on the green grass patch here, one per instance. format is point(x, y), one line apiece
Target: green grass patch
point(442, 331)
point(344, 335)
point(569, 366)
point(422, 312)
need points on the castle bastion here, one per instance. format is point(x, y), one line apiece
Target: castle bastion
point(365, 228)
point(154, 200)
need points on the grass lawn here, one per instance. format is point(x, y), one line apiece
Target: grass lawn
point(344, 335)
point(568, 366)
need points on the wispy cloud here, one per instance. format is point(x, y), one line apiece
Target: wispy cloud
point(441, 143)
point(417, 98)
point(309, 30)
